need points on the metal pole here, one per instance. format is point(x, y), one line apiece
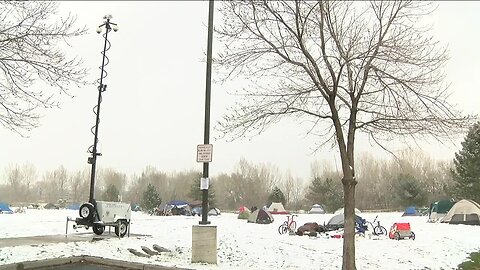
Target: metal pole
point(206, 139)
point(101, 88)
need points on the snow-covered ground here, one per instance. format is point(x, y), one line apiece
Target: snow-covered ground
point(243, 245)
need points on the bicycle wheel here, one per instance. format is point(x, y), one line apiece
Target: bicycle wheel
point(293, 226)
point(380, 230)
point(282, 229)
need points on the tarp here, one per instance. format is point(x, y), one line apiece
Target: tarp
point(177, 203)
point(463, 212)
point(4, 209)
point(260, 216)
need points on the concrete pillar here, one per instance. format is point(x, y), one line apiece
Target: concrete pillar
point(204, 244)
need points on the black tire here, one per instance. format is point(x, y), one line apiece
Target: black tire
point(86, 211)
point(282, 229)
point(98, 230)
point(380, 230)
point(122, 229)
point(397, 236)
point(412, 235)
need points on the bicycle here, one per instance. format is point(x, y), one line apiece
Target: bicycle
point(377, 229)
point(288, 226)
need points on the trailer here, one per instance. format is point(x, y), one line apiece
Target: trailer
point(401, 231)
point(101, 214)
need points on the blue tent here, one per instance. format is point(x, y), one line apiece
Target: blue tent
point(4, 209)
point(411, 211)
point(73, 206)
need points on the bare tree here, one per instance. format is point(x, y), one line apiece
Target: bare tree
point(343, 67)
point(32, 64)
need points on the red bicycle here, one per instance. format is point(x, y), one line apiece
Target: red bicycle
point(288, 226)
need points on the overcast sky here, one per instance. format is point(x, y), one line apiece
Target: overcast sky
point(153, 110)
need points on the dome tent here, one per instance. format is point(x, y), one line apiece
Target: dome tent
point(317, 209)
point(260, 216)
point(463, 212)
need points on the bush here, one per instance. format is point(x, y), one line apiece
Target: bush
point(472, 264)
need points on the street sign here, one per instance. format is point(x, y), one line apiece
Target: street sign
point(204, 152)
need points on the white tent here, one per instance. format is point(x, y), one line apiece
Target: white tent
point(317, 209)
point(277, 208)
point(340, 211)
point(214, 212)
point(463, 212)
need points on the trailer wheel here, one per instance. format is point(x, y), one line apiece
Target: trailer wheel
point(98, 230)
point(397, 236)
point(86, 211)
point(412, 236)
point(122, 228)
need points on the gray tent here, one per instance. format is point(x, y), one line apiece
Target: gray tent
point(338, 221)
point(260, 216)
point(317, 209)
point(463, 212)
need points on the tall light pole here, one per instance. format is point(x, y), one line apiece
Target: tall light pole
point(206, 138)
point(109, 26)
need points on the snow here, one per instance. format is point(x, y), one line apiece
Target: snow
point(243, 245)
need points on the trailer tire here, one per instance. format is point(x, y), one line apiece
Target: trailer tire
point(86, 211)
point(122, 228)
point(98, 230)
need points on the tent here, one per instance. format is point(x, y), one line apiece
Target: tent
point(243, 209)
point(277, 208)
point(340, 211)
point(317, 209)
point(4, 209)
point(338, 221)
point(50, 206)
point(73, 206)
point(463, 212)
point(411, 211)
point(260, 216)
point(439, 209)
point(177, 207)
point(214, 212)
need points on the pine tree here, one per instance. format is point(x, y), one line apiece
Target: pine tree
point(197, 194)
point(327, 192)
point(409, 191)
point(466, 171)
point(276, 196)
point(151, 198)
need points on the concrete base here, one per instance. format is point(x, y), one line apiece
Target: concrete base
point(204, 244)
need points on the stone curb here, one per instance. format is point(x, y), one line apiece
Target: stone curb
point(58, 262)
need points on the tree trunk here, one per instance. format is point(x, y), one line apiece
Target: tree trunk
point(349, 214)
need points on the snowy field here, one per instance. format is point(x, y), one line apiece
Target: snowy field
point(243, 245)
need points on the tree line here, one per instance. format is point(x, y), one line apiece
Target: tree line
point(411, 178)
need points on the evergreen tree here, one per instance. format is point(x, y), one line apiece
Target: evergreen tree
point(409, 191)
point(197, 194)
point(151, 198)
point(466, 171)
point(328, 192)
point(276, 196)
point(111, 193)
